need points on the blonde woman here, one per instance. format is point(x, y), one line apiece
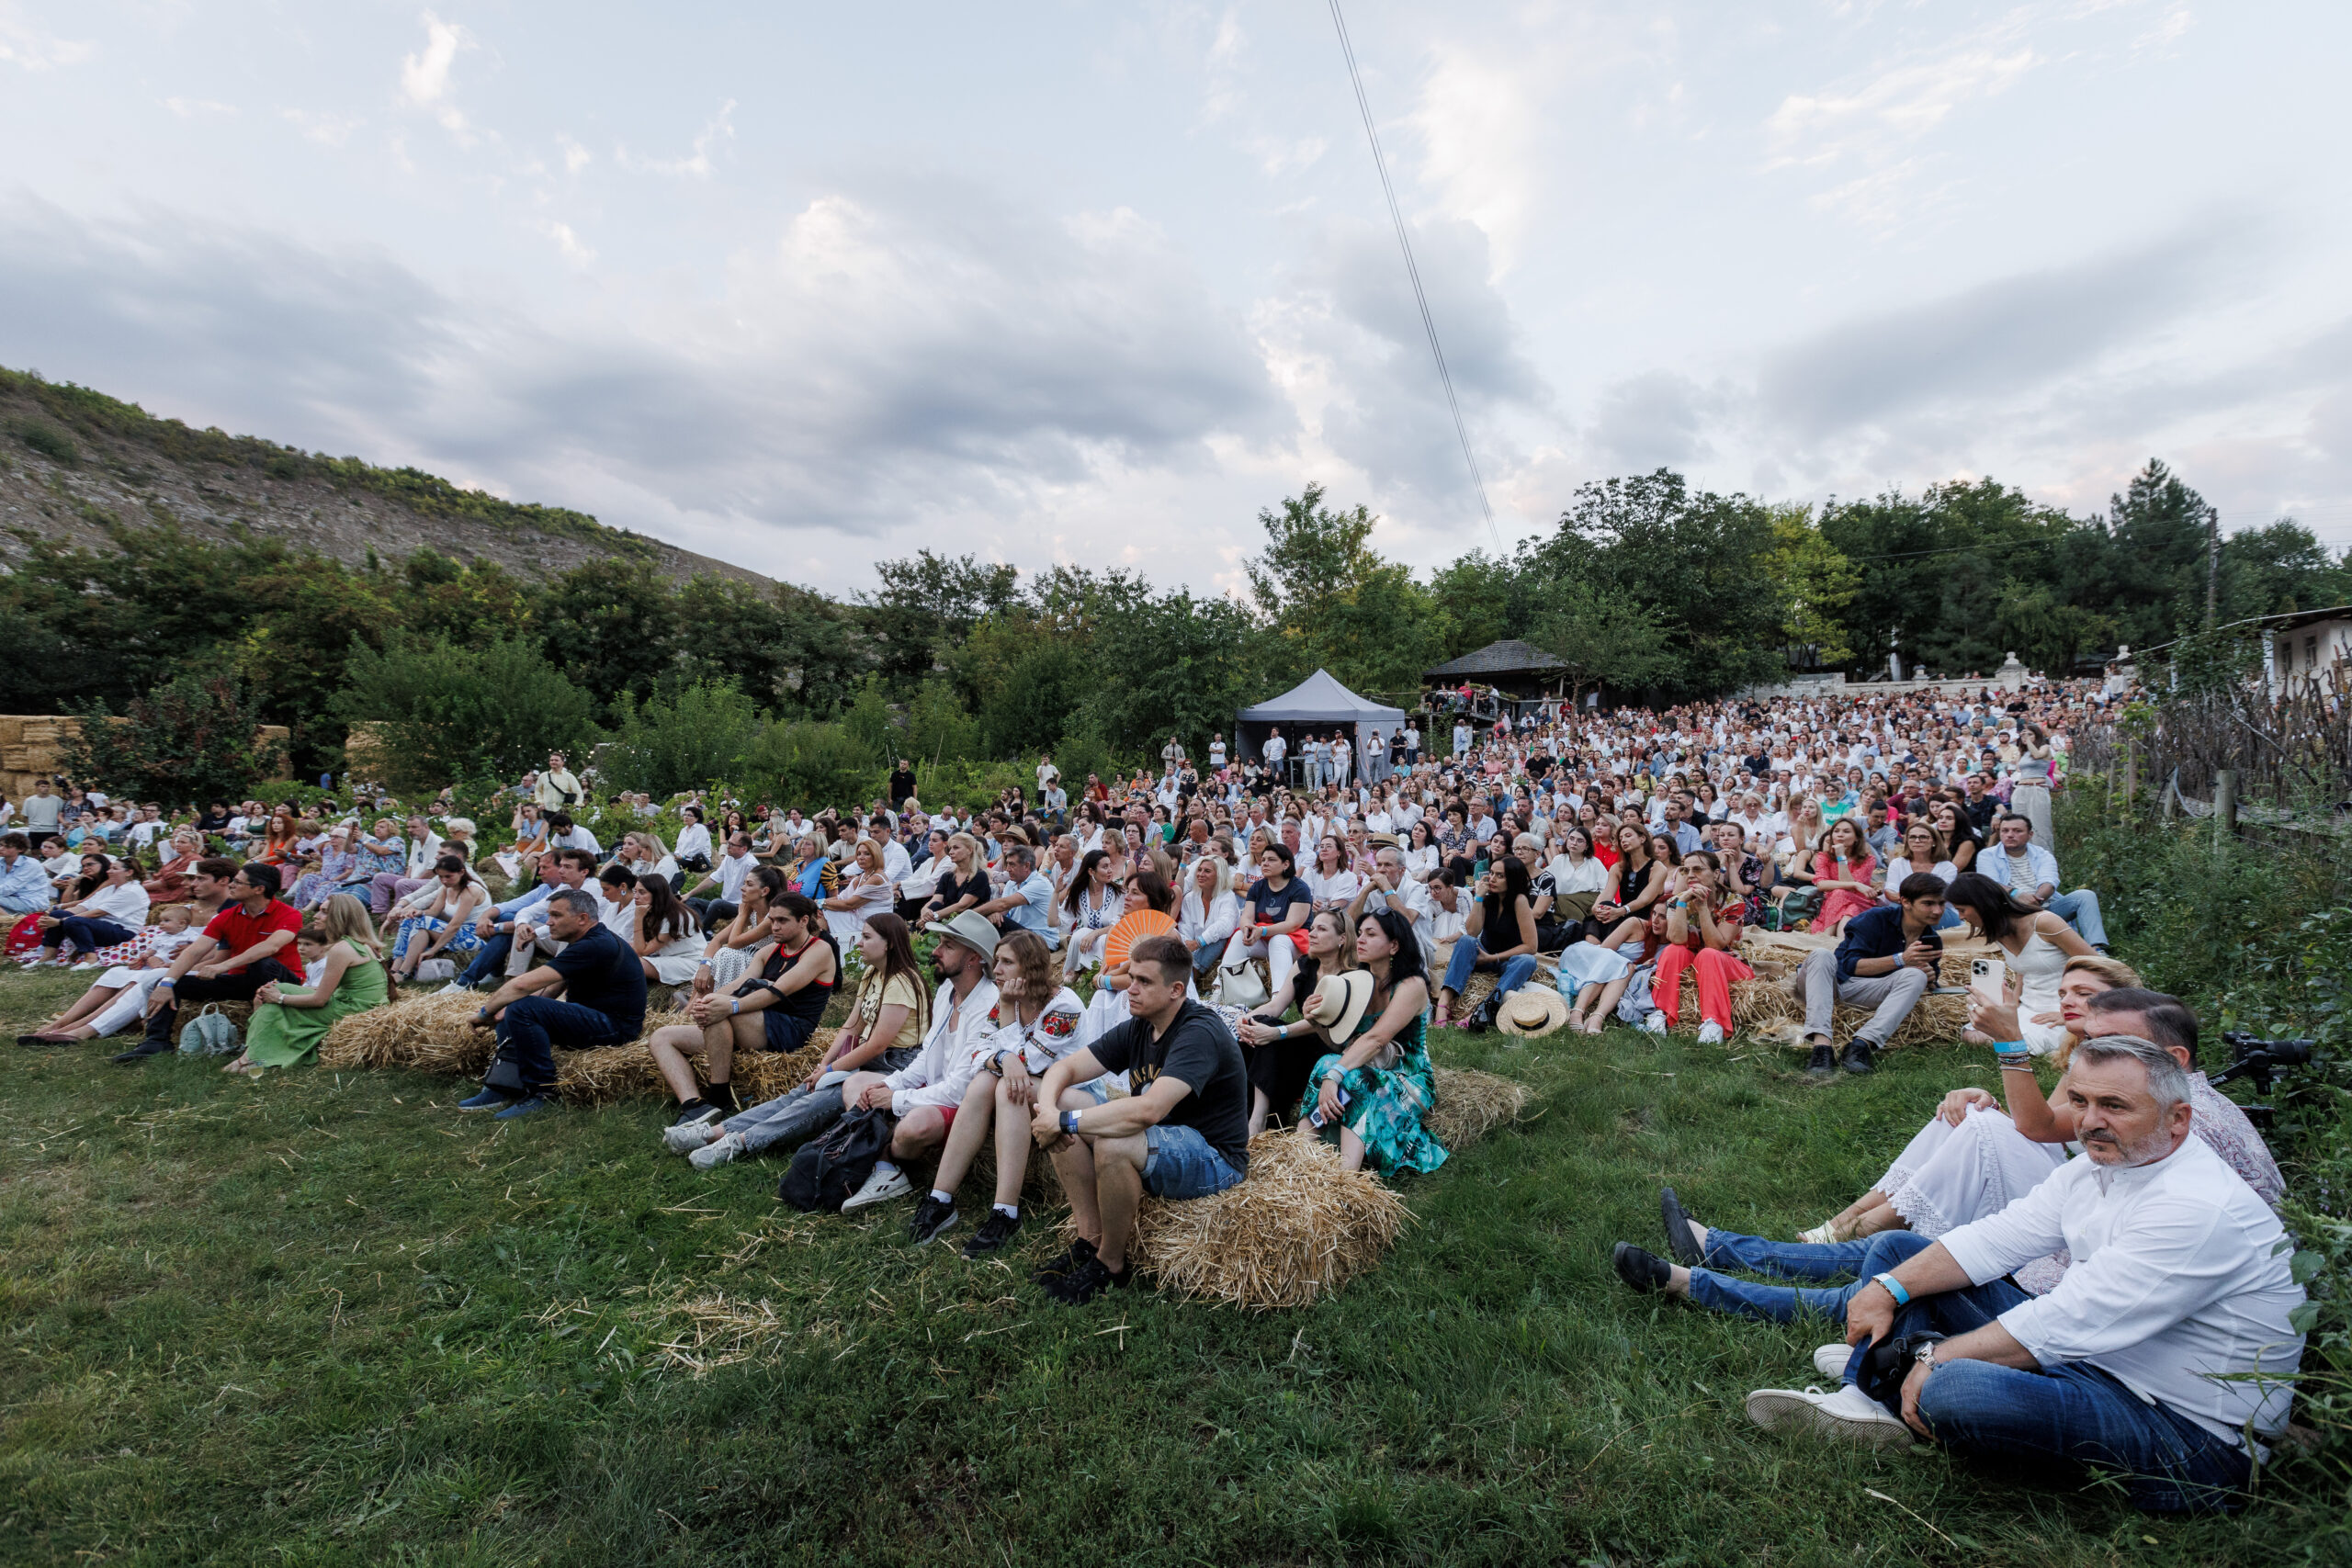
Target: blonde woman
point(963, 881)
point(288, 1024)
point(865, 891)
point(1209, 915)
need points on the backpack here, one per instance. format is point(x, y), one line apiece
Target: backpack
point(208, 1033)
point(827, 1170)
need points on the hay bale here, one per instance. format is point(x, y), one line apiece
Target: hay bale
point(1768, 1011)
point(1470, 1105)
point(609, 1074)
point(428, 1033)
point(1295, 1229)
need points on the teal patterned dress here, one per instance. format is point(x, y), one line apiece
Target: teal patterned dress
point(1385, 1105)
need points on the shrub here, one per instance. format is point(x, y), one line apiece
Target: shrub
point(445, 712)
point(49, 441)
point(814, 765)
point(194, 737)
point(703, 734)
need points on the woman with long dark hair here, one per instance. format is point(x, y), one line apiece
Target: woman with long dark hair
point(1091, 907)
point(1371, 1094)
point(1498, 933)
point(1278, 1054)
point(109, 906)
point(1846, 873)
point(1633, 884)
point(2035, 943)
point(669, 938)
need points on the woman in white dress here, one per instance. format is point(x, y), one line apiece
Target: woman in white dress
point(665, 934)
point(2030, 785)
point(2036, 943)
point(866, 891)
point(1332, 882)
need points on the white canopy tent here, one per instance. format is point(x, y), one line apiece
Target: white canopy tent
point(1318, 705)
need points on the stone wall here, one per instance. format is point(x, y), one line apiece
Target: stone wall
point(32, 746)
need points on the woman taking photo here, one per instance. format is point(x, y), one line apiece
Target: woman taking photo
point(1371, 1094)
point(1498, 935)
point(2036, 942)
point(289, 1022)
point(1279, 1054)
point(1847, 874)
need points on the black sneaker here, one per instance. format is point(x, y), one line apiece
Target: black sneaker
point(932, 1219)
point(695, 1110)
point(144, 1049)
point(994, 1232)
point(1857, 1058)
point(1087, 1281)
point(1824, 1062)
point(1678, 1241)
point(722, 1095)
point(1645, 1272)
point(1080, 1252)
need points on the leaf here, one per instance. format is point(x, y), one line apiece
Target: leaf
point(2305, 1318)
point(2307, 1267)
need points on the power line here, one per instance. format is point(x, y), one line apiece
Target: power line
point(1412, 270)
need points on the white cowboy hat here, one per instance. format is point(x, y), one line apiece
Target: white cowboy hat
point(1532, 1012)
point(1339, 1003)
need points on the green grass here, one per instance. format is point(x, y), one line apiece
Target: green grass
point(325, 1320)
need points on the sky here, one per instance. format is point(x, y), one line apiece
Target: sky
point(810, 286)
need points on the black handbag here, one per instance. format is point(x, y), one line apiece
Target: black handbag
point(826, 1170)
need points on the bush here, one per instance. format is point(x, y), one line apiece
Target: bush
point(49, 441)
point(445, 712)
point(193, 737)
point(692, 740)
point(814, 765)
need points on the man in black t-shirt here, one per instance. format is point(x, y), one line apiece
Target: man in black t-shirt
point(1182, 1132)
point(603, 991)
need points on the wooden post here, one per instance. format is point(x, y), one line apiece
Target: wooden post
point(2130, 777)
point(2225, 806)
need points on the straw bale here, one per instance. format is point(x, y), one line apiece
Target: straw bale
point(1294, 1230)
point(1471, 1104)
point(1769, 1009)
point(430, 1032)
point(611, 1073)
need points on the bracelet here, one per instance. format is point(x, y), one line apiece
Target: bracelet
point(1069, 1121)
point(1893, 1288)
point(167, 980)
point(734, 1006)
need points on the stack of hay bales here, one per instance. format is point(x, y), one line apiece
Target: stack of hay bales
point(1771, 999)
point(435, 1033)
point(1299, 1226)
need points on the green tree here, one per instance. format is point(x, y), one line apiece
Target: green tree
point(611, 625)
point(927, 605)
point(442, 712)
point(812, 765)
point(193, 737)
point(1604, 639)
point(701, 734)
point(1815, 583)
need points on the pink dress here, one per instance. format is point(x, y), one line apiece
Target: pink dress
point(1841, 902)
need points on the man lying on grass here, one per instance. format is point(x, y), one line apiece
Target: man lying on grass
point(2163, 1356)
point(1183, 1133)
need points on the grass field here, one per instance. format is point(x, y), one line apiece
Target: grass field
point(325, 1320)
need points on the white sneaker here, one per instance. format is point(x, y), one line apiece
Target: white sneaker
point(879, 1189)
point(91, 964)
point(713, 1154)
point(1849, 1413)
point(1710, 1033)
point(1655, 1023)
point(686, 1137)
point(1830, 1360)
point(454, 987)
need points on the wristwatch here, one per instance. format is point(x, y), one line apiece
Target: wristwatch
point(1925, 1354)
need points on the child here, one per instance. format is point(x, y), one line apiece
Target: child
point(118, 998)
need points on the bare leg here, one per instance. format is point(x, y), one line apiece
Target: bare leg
point(1118, 1193)
point(1260, 1109)
point(741, 1033)
point(1883, 1218)
point(920, 1131)
point(855, 1086)
point(1350, 1150)
point(972, 1126)
point(1012, 1146)
point(672, 1044)
point(1074, 1163)
point(89, 1005)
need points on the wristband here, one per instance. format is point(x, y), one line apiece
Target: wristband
point(1894, 1286)
point(1069, 1121)
point(167, 980)
point(734, 1006)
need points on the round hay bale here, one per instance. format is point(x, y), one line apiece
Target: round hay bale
point(1470, 1104)
point(1292, 1231)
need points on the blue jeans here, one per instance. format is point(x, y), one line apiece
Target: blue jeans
point(489, 961)
point(2080, 911)
point(1465, 962)
point(792, 1118)
point(88, 932)
point(1852, 1262)
point(1177, 1162)
point(527, 1032)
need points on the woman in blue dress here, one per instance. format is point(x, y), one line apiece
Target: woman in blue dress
point(1371, 1094)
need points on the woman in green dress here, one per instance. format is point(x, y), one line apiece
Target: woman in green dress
point(288, 1024)
point(1371, 1094)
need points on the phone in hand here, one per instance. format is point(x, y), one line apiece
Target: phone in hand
point(1988, 980)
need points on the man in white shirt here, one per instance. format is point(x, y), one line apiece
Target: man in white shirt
point(1216, 752)
point(727, 876)
point(2030, 874)
point(1048, 775)
point(1274, 750)
point(1391, 886)
point(925, 1093)
point(1412, 743)
point(2170, 1334)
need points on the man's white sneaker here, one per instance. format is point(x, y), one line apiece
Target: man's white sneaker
point(453, 989)
point(1710, 1033)
point(1655, 1023)
point(686, 1137)
point(1849, 1413)
point(1830, 1360)
point(713, 1154)
point(879, 1189)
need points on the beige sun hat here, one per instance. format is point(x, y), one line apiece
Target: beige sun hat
point(1338, 1002)
point(1532, 1012)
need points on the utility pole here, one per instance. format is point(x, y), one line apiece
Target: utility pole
point(2213, 566)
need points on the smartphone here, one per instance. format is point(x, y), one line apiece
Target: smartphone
point(1988, 980)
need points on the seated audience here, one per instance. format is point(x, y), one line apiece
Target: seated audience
point(603, 1004)
point(344, 974)
point(1370, 1094)
point(1886, 960)
point(243, 949)
point(774, 1007)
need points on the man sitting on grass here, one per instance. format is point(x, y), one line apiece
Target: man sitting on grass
point(1887, 961)
point(774, 1007)
point(604, 1004)
point(243, 949)
point(1183, 1133)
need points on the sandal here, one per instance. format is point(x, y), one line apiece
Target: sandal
point(244, 1069)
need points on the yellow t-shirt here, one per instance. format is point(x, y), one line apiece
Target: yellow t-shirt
point(874, 994)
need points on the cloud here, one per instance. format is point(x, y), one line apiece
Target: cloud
point(917, 355)
point(198, 108)
point(29, 48)
point(326, 130)
point(425, 76)
point(720, 128)
point(1904, 102)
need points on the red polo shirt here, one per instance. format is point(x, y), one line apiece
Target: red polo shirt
point(234, 930)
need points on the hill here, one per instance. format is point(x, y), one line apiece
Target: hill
point(73, 459)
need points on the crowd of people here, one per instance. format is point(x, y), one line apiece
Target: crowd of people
point(1134, 978)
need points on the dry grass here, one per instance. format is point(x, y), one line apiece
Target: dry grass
point(1471, 1104)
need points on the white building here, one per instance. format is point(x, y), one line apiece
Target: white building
point(2299, 651)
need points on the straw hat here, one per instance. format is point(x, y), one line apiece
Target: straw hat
point(1532, 1012)
point(1339, 1003)
point(970, 928)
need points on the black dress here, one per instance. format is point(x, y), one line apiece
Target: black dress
point(1280, 1070)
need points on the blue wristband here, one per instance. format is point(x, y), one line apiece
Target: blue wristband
point(1069, 1121)
point(1893, 1288)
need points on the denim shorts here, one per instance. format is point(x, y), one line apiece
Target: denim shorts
point(784, 1032)
point(1179, 1164)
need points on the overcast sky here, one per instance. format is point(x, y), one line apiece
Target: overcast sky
point(804, 285)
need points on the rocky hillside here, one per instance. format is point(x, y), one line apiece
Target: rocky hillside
point(73, 461)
